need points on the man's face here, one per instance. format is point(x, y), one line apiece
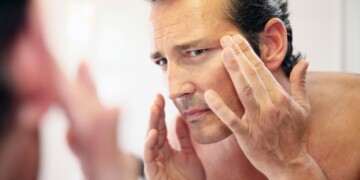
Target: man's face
point(186, 41)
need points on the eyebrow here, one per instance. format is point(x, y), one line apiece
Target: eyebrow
point(180, 46)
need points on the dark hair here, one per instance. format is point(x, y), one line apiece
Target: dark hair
point(12, 17)
point(251, 16)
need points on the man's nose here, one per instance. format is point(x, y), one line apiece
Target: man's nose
point(179, 81)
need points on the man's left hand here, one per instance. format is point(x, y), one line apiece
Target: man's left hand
point(273, 130)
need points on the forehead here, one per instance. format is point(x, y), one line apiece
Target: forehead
point(179, 21)
point(172, 12)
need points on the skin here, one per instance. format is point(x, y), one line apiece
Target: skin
point(184, 77)
point(19, 150)
point(282, 127)
point(92, 135)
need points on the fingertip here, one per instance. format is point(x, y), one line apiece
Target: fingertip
point(300, 70)
point(306, 64)
point(210, 95)
point(155, 111)
point(230, 59)
point(226, 41)
point(159, 101)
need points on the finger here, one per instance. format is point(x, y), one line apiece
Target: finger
point(270, 82)
point(246, 67)
point(75, 99)
point(65, 93)
point(273, 87)
point(157, 119)
point(155, 113)
point(183, 135)
point(298, 84)
point(244, 88)
point(151, 153)
point(85, 78)
point(74, 146)
point(228, 117)
point(251, 91)
point(109, 123)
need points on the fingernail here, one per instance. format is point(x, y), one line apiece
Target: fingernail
point(227, 41)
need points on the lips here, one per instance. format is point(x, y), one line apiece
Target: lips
point(194, 114)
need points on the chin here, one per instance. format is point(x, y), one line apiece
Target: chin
point(211, 133)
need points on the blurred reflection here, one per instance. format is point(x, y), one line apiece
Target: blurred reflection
point(30, 82)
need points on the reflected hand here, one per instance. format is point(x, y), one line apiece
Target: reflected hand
point(92, 135)
point(163, 162)
point(272, 132)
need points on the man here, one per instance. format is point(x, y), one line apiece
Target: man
point(251, 109)
point(30, 82)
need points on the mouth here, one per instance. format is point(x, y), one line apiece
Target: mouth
point(194, 114)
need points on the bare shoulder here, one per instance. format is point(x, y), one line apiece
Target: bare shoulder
point(339, 80)
point(335, 123)
point(337, 94)
point(339, 88)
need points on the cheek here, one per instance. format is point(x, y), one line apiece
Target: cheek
point(224, 86)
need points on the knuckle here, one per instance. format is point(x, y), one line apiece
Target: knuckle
point(238, 51)
point(248, 90)
point(234, 66)
point(272, 112)
point(283, 100)
point(301, 83)
point(251, 72)
point(244, 46)
point(259, 65)
point(233, 122)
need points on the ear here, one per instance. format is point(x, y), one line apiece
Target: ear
point(273, 44)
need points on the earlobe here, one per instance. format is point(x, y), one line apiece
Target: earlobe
point(273, 45)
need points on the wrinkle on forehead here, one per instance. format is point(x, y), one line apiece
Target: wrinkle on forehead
point(172, 22)
point(178, 21)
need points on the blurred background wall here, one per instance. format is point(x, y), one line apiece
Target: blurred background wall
point(112, 36)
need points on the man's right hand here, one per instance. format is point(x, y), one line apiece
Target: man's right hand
point(161, 160)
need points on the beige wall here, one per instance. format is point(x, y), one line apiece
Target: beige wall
point(328, 32)
point(112, 35)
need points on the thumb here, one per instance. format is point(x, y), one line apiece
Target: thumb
point(183, 135)
point(298, 84)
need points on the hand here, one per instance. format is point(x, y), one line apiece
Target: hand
point(92, 135)
point(163, 162)
point(272, 131)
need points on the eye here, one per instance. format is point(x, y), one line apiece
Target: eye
point(195, 53)
point(161, 62)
